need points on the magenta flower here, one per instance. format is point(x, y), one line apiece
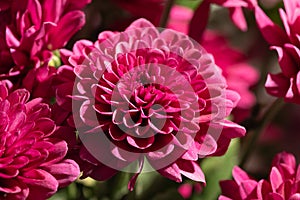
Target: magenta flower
point(29, 32)
point(286, 43)
point(32, 163)
point(241, 188)
point(138, 91)
point(283, 182)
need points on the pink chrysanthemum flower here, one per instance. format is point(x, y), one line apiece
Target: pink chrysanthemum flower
point(32, 163)
point(287, 44)
point(144, 95)
point(29, 44)
point(283, 183)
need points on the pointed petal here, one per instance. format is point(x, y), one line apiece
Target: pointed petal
point(199, 21)
point(277, 85)
point(238, 18)
point(239, 175)
point(191, 170)
point(275, 178)
point(68, 25)
point(272, 33)
point(172, 172)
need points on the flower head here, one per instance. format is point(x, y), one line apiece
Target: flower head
point(145, 95)
point(287, 44)
point(29, 32)
point(32, 155)
point(283, 182)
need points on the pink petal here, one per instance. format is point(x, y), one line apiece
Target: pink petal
point(42, 184)
point(185, 190)
point(275, 179)
point(231, 3)
point(295, 197)
point(172, 172)
point(285, 22)
point(229, 189)
point(272, 33)
point(232, 130)
point(140, 23)
point(140, 143)
point(286, 61)
point(199, 21)
point(11, 39)
point(293, 51)
point(237, 16)
point(208, 146)
point(263, 189)
point(191, 170)
point(224, 198)
point(52, 10)
point(248, 189)
point(239, 175)
point(275, 196)
point(179, 18)
point(284, 158)
point(290, 7)
point(68, 25)
point(277, 85)
point(65, 172)
point(57, 152)
point(35, 10)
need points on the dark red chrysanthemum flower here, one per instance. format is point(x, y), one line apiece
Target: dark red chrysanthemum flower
point(32, 157)
point(149, 95)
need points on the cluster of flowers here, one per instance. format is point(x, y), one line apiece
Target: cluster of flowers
point(40, 80)
point(34, 143)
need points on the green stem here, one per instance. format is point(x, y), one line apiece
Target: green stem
point(119, 185)
point(262, 122)
point(165, 15)
point(80, 194)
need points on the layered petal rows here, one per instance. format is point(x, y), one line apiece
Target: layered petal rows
point(154, 96)
point(32, 163)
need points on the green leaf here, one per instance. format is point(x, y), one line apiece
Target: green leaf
point(119, 189)
point(145, 182)
point(216, 169)
point(193, 4)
